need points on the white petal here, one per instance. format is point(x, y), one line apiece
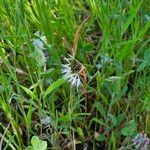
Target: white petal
point(43, 57)
point(43, 38)
point(75, 80)
point(37, 33)
point(73, 83)
point(78, 83)
point(38, 44)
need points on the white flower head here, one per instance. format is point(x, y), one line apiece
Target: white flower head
point(66, 70)
point(43, 58)
point(46, 120)
point(38, 44)
point(71, 76)
point(75, 80)
point(105, 58)
point(39, 41)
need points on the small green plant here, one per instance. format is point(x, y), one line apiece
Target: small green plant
point(37, 144)
point(76, 72)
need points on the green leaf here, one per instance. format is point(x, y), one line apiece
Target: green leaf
point(144, 29)
point(120, 118)
point(34, 54)
point(48, 72)
point(101, 137)
point(101, 109)
point(130, 128)
point(35, 141)
point(146, 61)
point(141, 67)
point(147, 17)
point(54, 85)
point(131, 17)
point(147, 56)
point(118, 97)
point(113, 119)
point(29, 92)
point(29, 148)
point(42, 145)
point(80, 132)
point(63, 118)
point(100, 122)
point(37, 144)
point(146, 104)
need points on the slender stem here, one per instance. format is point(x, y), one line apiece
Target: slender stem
point(70, 108)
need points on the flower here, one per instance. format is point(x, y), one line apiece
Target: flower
point(74, 79)
point(46, 120)
point(38, 44)
point(105, 59)
point(40, 36)
point(71, 76)
point(66, 70)
point(141, 141)
point(43, 58)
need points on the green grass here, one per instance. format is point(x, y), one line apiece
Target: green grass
point(111, 106)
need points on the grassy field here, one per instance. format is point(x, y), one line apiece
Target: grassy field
point(75, 74)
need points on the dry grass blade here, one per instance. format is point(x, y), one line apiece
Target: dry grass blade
point(77, 36)
point(68, 45)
